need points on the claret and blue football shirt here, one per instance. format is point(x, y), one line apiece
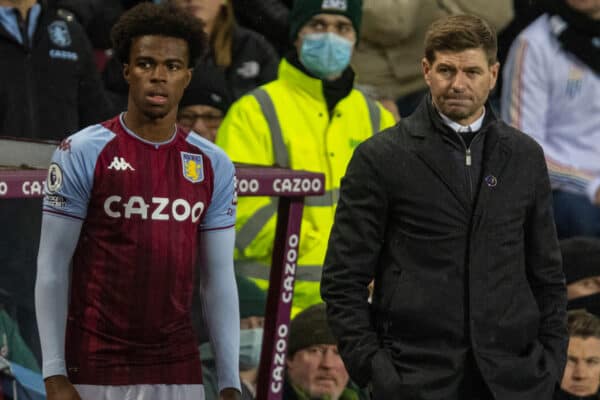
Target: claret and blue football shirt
point(142, 206)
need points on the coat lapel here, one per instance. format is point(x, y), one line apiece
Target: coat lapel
point(496, 153)
point(434, 154)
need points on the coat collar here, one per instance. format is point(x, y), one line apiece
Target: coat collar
point(427, 126)
point(314, 87)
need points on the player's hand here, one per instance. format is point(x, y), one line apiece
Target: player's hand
point(597, 197)
point(58, 387)
point(230, 394)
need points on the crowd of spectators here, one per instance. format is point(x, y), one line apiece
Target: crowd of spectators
point(256, 94)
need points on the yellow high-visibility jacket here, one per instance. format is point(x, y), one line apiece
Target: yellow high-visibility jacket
point(310, 139)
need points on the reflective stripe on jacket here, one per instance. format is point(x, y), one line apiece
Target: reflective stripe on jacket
point(286, 123)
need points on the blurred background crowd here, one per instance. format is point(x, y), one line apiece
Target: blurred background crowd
point(59, 75)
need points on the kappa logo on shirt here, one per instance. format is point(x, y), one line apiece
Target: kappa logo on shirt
point(119, 164)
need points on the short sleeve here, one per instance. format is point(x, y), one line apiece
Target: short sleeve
point(71, 172)
point(221, 211)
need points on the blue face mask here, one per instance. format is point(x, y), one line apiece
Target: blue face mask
point(325, 54)
point(250, 347)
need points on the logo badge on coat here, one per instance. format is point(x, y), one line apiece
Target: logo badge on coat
point(491, 181)
point(59, 33)
point(193, 167)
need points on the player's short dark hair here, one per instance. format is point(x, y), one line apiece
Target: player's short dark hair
point(160, 20)
point(457, 33)
point(583, 324)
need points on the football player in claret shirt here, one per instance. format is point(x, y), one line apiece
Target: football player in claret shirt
point(131, 204)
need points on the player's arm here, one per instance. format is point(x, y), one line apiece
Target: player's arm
point(218, 289)
point(220, 305)
point(67, 194)
point(57, 243)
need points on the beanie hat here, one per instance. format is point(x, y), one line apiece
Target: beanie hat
point(252, 299)
point(207, 88)
point(304, 10)
point(581, 258)
point(309, 328)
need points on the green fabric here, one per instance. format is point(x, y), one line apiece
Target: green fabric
point(252, 299)
point(12, 345)
point(347, 394)
point(304, 10)
point(310, 328)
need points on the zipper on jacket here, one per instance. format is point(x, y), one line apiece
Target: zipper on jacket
point(468, 162)
point(468, 165)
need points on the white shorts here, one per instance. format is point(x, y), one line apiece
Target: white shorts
point(141, 392)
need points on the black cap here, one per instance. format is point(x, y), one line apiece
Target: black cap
point(208, 87)
point(310, 328)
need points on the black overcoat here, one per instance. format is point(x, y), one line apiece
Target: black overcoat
point(453, 275)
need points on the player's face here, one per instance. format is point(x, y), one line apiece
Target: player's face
point(157, 74)
point(318, 370)
point(460, 83)
point(582, 373)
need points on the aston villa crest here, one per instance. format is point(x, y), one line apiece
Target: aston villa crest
point(193, 167)
point(59, 33)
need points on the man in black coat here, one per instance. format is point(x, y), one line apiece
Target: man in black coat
point(450, 213)
point(49, 87)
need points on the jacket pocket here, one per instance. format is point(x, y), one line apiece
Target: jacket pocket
point(385, 380)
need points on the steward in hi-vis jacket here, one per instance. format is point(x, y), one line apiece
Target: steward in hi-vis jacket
point(310, 118)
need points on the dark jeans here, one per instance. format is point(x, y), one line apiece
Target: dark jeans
point(575, 215)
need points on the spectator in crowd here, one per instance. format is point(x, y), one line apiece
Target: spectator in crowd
point(12, 345)
point(551, 86)
point(97, 18)
point(310, 118)
point(581, 379)
point(130, 206)
point(204, 103)
point(391, 44)
point(525, 12)
point(314, 368)
point(267, 17)
point(252, 317)
point(245, 58)
point(49, 88)
point(450, 212)
point(581, 264)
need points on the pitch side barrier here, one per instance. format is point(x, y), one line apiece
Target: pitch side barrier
point(291, 187)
